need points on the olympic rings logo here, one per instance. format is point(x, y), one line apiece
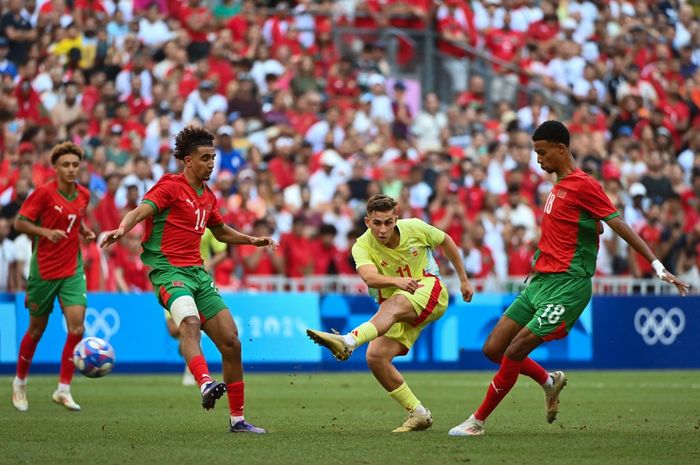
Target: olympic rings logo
point(103, 324)
point(659, 325)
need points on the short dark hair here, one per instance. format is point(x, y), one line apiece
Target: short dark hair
point(189, 139)
point(65, 148)
point(553, 131)
point(381, 203)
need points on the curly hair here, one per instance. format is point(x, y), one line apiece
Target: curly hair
point(189, 139)
point(381, 203)
point(65, 148)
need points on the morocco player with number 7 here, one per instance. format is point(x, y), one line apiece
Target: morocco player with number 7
point(53, 216)
point(178, 209)
point(561, 286)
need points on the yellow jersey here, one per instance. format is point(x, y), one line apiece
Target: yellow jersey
point(413, 257)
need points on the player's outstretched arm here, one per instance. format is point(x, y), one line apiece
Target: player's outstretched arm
point(637, 243)
point(30, 229)
point(228, 235)
point(130, 220)
point(452, 253)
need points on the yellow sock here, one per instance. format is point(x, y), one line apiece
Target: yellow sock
point(405, 397)
point(364, 333)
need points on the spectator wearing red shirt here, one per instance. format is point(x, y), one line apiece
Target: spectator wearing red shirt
point(198, 22)
point(328, 260)
point(341, 85)
point(505, 44)
point(455, 33)
point(297, 250)
point(106, 215)
point(478, 259)
point(261, 261)
point(130, 274)
point(520, 253)
point(651, 234)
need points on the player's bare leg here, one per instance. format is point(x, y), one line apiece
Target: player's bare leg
point(190, 338)
point(37, 326)
point(380, 354)
point(223, 332)
point(395, 309)
point(552, 383)
point(75, 317)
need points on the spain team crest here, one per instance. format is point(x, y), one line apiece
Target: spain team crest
point(414, 251)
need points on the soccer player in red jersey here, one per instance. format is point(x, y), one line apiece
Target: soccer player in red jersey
point(561, 285)
point(178, 209)
point(54, 215)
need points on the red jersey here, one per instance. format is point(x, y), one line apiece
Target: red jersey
point(174, 233)
point(52, 209)
point(571, 225)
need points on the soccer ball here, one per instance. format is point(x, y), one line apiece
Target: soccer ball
point(94, 357)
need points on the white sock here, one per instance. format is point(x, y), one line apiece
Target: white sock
point(235, 419)
point(549, 383)
point(420, 410)
point(63, 387)
point(19, 382)
point(350, 341)
point(478, 422)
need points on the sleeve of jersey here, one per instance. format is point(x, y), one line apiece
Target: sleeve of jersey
point(215, 218)
point(361, 256)
point(594, 201)
point(161, 196)
point(433, 235)
point(32, 207)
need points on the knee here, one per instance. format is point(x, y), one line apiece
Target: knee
point(36, 333)
point(76, 330)
point(492, 352)
point(375, 359)
point(232, 345)
point(190, 327)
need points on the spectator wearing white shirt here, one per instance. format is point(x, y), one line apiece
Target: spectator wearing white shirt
point(7, 257)
point(517, 213)
point(429, 123)
point(203, 103)
point(323, 183)
point(153, 31)
point(141, 178)
point(327, 131)
point(381, 109)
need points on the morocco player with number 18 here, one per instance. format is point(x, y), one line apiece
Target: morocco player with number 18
point(53, 215)
point(178, 209)
point(561, 284)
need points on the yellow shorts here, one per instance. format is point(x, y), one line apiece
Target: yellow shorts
point(429, 302)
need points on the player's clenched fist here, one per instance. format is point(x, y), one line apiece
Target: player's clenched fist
point(408, 284)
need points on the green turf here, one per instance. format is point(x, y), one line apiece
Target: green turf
point(605, 418)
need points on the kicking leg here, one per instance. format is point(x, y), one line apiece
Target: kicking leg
point(380, 354)
point(395, 309)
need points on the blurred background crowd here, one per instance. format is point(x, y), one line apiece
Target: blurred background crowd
point(317, 105)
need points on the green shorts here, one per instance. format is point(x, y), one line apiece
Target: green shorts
point(194, 281)
point(41, 293)
point(429, 302)
point(550, 305)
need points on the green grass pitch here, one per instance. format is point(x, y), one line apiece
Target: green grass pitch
point(346, 418)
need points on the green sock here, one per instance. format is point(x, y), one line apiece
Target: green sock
point(405, 397)
point(364, 333)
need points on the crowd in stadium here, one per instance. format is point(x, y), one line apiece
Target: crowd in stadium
point(305, 133)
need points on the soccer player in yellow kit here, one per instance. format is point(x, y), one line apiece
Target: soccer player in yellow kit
point(394, 257)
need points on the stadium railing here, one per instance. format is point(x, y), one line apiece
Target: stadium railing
point(351, 284)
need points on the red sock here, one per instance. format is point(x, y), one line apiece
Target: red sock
point(26, 354)
point(235, 398)
point(502, 383)
point(67, 368)
point(198, 368)
point(534, 370)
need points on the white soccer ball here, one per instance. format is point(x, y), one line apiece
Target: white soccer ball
point(94, 357)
